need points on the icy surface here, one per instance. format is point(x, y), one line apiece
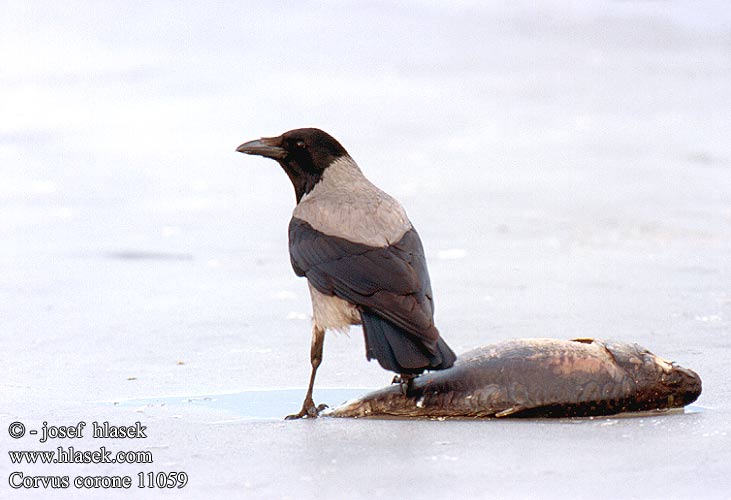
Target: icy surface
point(568, 166)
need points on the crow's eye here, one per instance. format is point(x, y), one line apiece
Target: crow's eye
point(301, 144)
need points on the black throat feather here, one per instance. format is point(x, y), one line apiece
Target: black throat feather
point(303, 180)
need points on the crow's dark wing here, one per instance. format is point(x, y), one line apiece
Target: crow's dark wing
point(391, 282)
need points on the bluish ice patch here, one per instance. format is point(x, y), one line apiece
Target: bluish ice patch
point(267, 404)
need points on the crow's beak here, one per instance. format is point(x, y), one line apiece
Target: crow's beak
point(266, 146)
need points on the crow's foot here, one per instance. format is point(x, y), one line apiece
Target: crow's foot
point(405, 381)
point(309, 410)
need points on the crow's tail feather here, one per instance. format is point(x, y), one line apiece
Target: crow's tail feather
point(401, 352)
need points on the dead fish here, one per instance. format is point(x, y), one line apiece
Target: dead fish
point(538, 378)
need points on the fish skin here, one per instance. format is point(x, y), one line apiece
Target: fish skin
point(538, 378)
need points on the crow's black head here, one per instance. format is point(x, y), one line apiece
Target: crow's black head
point(304, 154)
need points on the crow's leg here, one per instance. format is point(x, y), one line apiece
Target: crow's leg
point(309, 409)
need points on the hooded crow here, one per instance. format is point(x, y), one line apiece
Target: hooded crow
point(362, 258)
